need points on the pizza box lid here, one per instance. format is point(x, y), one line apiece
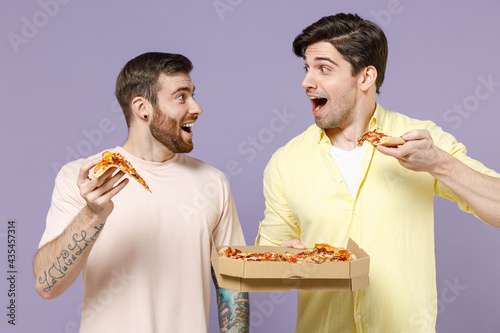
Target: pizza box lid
point(243, 275)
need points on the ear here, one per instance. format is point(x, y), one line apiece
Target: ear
point(141, 107)
point(367, 78)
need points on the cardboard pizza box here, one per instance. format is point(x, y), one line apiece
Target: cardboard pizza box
point(240, 275)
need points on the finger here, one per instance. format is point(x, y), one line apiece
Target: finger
point(107, 175)
point(89, 185)
point(97, 191)
point(83, 175)
point(293, 243)
point(390, 151)
point(416, 134)
point(115, 190)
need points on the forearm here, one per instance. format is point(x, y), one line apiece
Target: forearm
point(58, 263)
point(480, 192)
point(233, 309)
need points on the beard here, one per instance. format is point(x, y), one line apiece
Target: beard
point(339, 112)
point(167, 131)
point(335, 119)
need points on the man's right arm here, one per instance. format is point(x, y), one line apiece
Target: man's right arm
point(58, 263)
point(279, 224)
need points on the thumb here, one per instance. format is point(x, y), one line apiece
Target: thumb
point(293, 243)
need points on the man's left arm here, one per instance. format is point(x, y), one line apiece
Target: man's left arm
point(479, 191)
point(233, 309)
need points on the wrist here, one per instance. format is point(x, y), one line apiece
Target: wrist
point(443, 164)
point(91, 217)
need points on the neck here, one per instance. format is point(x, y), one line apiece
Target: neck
point(345, 137)
point(144, 146)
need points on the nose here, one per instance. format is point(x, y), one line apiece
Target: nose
point(309, 82)
point(195, 108)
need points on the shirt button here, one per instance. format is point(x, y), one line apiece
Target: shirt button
point(323, 153)
point(355, 212)
point(358, 316)
point(339, 180)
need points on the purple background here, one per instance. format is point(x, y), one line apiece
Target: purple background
point(58, 104)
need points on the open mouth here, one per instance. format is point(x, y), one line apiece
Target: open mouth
point(187, 127)
point(317, 102)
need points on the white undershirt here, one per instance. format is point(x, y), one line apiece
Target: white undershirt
point(349, 164)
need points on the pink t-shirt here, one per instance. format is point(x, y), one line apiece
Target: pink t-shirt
point(149, 270)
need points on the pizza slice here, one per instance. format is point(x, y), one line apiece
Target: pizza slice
point(320, 253)
point(116, 160)
point(379, 138)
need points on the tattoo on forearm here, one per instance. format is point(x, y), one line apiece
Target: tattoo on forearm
point(66, 258)
point(234, 310)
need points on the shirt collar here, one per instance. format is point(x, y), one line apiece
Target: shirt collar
point(378, 118)
point(320, 135)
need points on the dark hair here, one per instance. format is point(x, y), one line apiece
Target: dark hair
point(139, 77)
point(361, 42)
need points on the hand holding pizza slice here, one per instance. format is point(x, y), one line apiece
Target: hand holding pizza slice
point(379, 138)
point(116, 160)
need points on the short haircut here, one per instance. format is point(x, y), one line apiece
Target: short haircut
point(361, 42)
point(139, 77)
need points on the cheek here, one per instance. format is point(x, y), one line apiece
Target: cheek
point(177, 113)
point(343, 89)
point(334, 89)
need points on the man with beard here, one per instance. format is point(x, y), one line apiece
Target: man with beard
point(322, 188)
point(144, 257)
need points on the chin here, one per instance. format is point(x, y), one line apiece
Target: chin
point(186, 148)
point(321, 124)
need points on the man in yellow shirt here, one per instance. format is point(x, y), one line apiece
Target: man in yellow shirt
point(321, 187)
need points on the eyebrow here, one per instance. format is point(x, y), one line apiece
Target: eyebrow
point(183, 89)
point(326, 59)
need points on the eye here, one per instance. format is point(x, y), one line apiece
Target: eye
point(306, 69)
point(181, 97)
point(324, 69)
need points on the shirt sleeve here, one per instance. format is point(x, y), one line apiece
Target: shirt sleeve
point(66, 203)
point(448, 143)
point(279, 223)
point(228, 230)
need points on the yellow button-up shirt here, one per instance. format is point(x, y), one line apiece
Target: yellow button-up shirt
point(391, 218)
